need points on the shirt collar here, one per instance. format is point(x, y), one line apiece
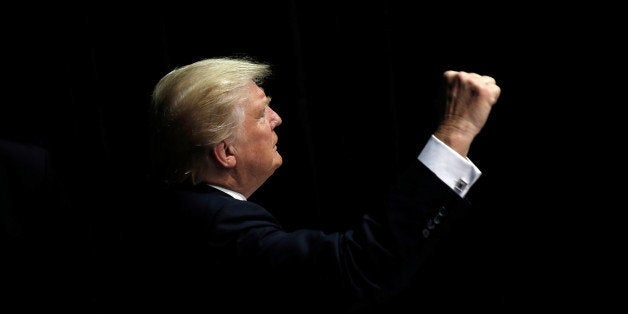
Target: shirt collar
point(233, 194)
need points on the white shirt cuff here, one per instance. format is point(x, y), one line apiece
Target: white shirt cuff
point(458, 172)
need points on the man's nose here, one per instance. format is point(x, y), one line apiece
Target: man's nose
point(275, 119)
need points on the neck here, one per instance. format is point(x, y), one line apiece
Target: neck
point(232, 183)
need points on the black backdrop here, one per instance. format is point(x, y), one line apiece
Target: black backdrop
point(356, 86)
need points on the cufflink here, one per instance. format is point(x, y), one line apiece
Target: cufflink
point(461, 184)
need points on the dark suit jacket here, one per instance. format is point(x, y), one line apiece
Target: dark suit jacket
point(196, 248)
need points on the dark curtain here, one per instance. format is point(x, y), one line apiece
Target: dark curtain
point(356, 85)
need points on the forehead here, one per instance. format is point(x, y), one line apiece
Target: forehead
point(256, 95)
point(256, 90)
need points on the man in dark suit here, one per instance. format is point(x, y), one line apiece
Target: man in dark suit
point(201, 245)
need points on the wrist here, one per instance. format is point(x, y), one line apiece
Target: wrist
point(457, 139)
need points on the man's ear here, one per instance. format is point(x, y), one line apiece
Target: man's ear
point(224, 154)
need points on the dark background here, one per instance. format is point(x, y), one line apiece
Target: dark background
point(357, 86)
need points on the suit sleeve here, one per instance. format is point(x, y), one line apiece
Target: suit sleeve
point(371, 261)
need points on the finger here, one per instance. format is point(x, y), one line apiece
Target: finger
point(449, 75)
point(488, 79)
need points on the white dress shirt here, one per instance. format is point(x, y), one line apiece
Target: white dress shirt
point(233, 194)
point(458, 172)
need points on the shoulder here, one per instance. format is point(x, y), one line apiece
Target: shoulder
point(201, 198)
point(209, 204)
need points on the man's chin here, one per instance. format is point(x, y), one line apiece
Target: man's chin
point(278, 161)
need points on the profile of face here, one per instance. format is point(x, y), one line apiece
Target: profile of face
point(255, 144)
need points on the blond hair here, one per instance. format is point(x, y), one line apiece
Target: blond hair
point(195, 107)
